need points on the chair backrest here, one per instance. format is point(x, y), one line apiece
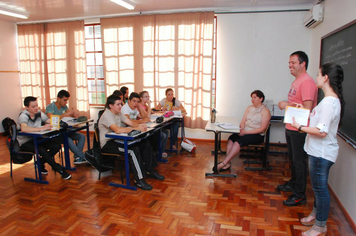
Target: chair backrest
point(17, 156)
point(96, 140)
point(267, 130)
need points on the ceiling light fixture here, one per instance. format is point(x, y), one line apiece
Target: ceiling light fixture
point(125, 3)
point(13, 13)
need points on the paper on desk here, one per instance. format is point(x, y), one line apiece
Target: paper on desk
point(228, 126)
point(301, 115)
point(177, 113)
point(68, 119)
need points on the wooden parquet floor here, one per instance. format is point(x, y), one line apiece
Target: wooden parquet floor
point(185, 203)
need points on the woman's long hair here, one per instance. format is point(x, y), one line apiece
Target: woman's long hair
point(336, 76)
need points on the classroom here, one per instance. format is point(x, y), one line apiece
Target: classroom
point(253, 48)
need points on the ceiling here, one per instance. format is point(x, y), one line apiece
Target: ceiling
point(57, 10)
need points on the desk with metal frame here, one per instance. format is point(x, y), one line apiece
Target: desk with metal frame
point(45, 135)
point(276, 119)
point(152, 127)
point(36, 136)
point(214, 127)
point(72, 128)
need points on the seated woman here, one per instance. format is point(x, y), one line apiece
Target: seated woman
point(252, 127)
point(125, 93)
point(119, 93)
point(170, 103)
point(145, 109)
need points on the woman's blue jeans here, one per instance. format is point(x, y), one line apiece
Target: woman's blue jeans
point(319, 174)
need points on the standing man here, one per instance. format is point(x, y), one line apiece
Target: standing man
point(32, 120)
point(303, 91)
point(60, 107)
point(140, 155)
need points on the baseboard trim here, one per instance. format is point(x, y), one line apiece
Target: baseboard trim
point(343, 210)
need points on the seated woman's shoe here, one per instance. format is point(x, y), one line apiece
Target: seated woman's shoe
point(220, 168)
point(226, 167)
point(315, 231)
point(309, 220)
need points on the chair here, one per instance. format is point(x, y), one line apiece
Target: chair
point(16, 155)
point(110, 158)
point(257, 151)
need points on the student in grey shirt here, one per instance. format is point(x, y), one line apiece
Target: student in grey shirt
point(31, 120)
point(141, 156)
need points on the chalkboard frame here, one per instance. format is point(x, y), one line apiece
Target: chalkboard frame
point(348, 137)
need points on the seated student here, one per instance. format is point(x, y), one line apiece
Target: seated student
point(131, 111)
point(170, 103)
point(252, 127)
point(119, 93)
point(141, 158)
point(145, 108)
point(59, 107)
point(31, 120)
point(125, 93)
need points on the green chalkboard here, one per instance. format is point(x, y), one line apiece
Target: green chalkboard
point(340, 47)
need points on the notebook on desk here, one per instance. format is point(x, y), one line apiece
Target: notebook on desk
point(228, 126)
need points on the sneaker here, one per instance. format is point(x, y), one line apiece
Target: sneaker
point(285, 187)
point(154, 175)
point(294, 200)
point(142, 184)
point(164, 154)
point(79, 160)
point(44, 171)
point(65, 174)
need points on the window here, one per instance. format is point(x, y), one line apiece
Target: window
point(95, 68)
point(213, 75)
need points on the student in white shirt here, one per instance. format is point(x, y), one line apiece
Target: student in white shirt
point(321, 143)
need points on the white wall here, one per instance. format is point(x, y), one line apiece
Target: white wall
point(253, 53)
point(343, 173)
point(10, 93)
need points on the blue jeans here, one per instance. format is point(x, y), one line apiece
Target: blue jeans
point(319, 174)
point(175, 128)
point(164, 139)
point(76, 149)
point(298, 162)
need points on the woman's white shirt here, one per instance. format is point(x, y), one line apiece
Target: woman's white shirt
point(326, 117)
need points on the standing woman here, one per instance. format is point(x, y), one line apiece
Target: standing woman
point(145, 109)
point(170, 103)
point(321, 144)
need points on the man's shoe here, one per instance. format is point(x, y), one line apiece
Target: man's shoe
point(142, 184)
point(284, 188)
point(154, 175)
point(79, 160)
point(65, 174)
point(293, 200)
point(44, 171)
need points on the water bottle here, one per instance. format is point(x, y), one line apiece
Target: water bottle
point(213, 115)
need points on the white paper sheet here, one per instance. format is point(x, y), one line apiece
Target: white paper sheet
point(301, 115)
point(228, 126)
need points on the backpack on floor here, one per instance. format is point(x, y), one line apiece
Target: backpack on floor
point(187, 144)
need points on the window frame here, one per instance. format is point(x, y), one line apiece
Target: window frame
point(95, 79)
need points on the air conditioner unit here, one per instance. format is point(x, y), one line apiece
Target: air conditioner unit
point(314, 16)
